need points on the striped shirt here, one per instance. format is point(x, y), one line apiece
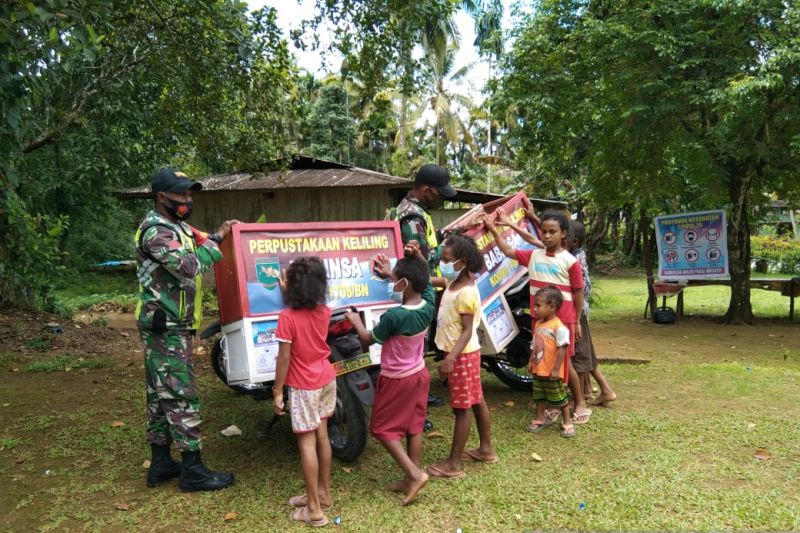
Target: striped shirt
point(561, 270)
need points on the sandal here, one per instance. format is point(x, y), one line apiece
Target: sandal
point(552, 414)
point(301, 515)
point(536, 426)
point(581, 418)
point(567, 432)
point(435, 471)
point(302, 500)
point(474, 455)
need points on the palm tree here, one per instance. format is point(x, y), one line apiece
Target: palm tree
point(439, 75)
point(434, 35)
point(489, 40)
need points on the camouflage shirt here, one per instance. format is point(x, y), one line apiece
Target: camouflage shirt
point(416, 225)
point(169, 266)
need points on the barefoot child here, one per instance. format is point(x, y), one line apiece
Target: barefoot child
point(585, 360)
point(553, 265)
point(401, 393)
point(548, 358)
point(456, 335)
point(303, 366)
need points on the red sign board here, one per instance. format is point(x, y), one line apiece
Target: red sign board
point(498, 271)
point(254, 256)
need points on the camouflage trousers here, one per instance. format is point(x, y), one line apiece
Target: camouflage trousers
point(173, 402)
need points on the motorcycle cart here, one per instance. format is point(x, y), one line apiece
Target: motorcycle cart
point(250, 300)
point(505, 330)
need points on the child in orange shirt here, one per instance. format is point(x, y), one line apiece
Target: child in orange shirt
point(547, 363)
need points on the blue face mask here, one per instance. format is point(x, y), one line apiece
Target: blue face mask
point(449, 271)
point(395, 296)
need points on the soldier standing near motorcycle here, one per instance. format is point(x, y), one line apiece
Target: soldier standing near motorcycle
point(431, 188)
point(170, 259)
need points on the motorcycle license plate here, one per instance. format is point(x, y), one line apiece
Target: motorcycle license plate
point(345, 366)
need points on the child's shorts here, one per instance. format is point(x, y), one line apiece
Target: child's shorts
point(552, 392)
point(585, 359)
point(308, 408)
point(465, 381)
point(400, 406)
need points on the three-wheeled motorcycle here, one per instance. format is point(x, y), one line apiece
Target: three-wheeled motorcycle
point(243, 355)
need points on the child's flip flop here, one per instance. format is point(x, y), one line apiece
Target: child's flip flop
point(535, 426)
point(435, 471)
point(582, 417)
point(567, 432)
point(474, 455)
point(302, 500)
point(301, 515)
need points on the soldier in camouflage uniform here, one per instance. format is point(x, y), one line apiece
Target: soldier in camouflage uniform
point(431, 188)
point(171, 256)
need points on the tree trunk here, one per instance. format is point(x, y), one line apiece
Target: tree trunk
point(647, 257)
point(629, 242)
point(740, 311)
point(614, 223)
point(597, 233)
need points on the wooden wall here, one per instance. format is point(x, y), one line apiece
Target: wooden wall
point(300, 205)
point(290, 205)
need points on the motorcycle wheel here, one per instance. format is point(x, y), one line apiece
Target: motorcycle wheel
point(218, 356)
point(347, 428)
point(516, 378)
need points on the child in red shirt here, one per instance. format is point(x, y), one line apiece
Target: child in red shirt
point(303, 366)
point(548, 357)
point(553, 265)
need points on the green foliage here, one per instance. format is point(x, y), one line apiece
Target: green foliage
point(81, 291)
point(101, 321)
point(669, 105)
point(30, 256)
point(9, 443)
point(331, 129)
point(377, 38)
point(97, 95)
point(7, 358)
point(781, 254)
point(38, 343)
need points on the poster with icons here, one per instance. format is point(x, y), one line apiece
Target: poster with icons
point(692, 245)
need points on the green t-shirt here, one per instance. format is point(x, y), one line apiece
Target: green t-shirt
point(406, 320)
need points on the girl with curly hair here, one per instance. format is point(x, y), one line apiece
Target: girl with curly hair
point(303, 366)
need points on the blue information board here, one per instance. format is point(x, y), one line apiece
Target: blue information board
point(692, 245)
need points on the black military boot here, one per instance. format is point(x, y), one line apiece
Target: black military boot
point(162, 467)
point(195, 476)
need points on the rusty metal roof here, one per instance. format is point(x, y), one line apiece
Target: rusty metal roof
point(306, 172)
point(285, 179)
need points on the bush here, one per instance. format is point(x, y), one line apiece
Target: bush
point(781, 254)
point(30, 255)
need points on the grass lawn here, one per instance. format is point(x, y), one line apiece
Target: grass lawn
point(625, 297)
point(676, 451)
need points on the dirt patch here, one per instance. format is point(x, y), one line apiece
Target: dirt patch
point(37, 406)
point(697, 339)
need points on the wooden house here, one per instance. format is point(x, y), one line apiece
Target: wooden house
point(308, 190)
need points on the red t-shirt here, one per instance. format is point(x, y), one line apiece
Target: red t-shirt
point(561, 270)
point(306, 330)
